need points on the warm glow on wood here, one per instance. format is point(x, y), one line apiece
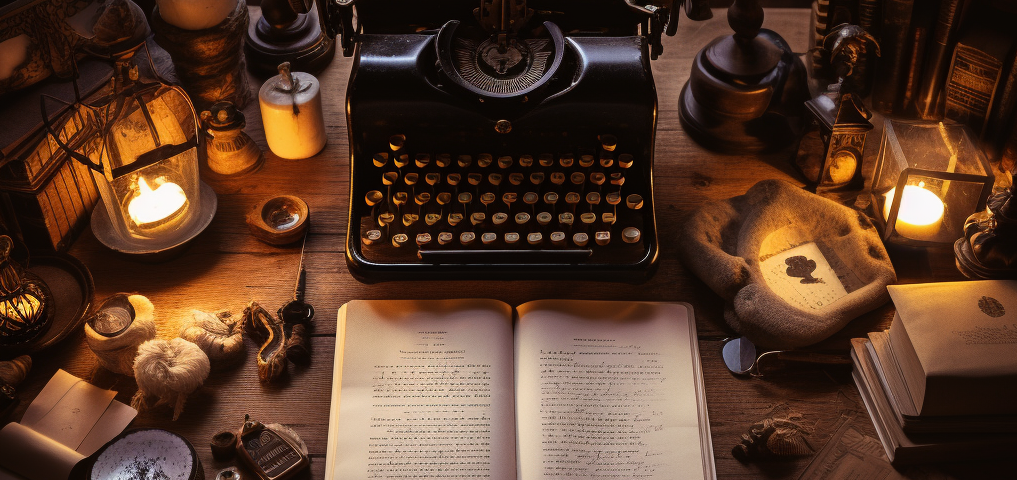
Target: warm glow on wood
point(151, 207)
point(920, 214)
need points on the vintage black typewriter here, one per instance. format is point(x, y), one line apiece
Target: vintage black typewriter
point(501, 139)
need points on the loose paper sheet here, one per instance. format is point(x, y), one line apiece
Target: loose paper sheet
point(803, 277)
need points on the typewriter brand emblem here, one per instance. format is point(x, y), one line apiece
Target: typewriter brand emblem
point(503, 126)
point(991, 307)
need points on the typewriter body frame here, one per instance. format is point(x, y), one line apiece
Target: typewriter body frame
point(400, 86)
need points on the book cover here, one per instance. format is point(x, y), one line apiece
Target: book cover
point(928, 102)
point(893, 39)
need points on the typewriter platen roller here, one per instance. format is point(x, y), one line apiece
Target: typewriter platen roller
point(500, 139)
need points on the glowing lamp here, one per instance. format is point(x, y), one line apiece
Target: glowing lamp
point(929, 177)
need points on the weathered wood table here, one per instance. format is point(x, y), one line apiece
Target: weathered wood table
point(226, 267)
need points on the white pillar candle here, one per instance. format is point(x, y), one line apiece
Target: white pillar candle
point(195, 14)
point(920, 214)
point(291, 114)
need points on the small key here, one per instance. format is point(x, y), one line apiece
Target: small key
point(578, 178)
point(484, 160)
point(389, 178)
point(421, 160)
point(557, 238)
point(385, 219)
point(588, 218)
point(509, 198)
point(606, 160)
point(557, 178)
point(608, 218)
point(580, 239)
point(631, 235)
point(550, 198)
point(465, 197)
point(371, 237)
point(432, 178)
point(535, 238)
point(487, 198)
point(467, 238)
point(374, 197)
point(613, 198)
point(516, 178)
point(546, 159)
point(602, 238)
point(380, 159)
point(494, 179)
point(544, 218)
point(566, 160)
point(566, 219)
point(625, 160)
point(617, 178)
point(537, 178)
point(464, 160)
point(432, 218)
point(586, 161)
point(477, 218)
point(399, 239)
point(499, 218)
point(488, 238)
point(454, 218)
point(572, 198)
point(511, 238)
point(526, 161)
point(505, 161)
point(608, 142)
point(400, 198)
point(423, 239)
point(443, 160)
point(530, 198)
point(634, 201)
point(401, 160)
point(444, 198)
point(593, 198)
point(522, 218)
point(422, 198)
point(474, 178)
point(396, 142)
point(444, 238)
point(411, 178)
point(410, 219)
point(597, 178)
point(453, 179)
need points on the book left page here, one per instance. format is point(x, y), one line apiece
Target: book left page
point(423, 389)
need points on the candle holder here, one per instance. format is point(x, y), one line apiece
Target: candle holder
point(929, 177)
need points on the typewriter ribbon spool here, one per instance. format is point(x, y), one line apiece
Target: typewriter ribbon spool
point(291, 113)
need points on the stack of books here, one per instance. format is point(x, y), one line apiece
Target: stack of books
point(941, 383)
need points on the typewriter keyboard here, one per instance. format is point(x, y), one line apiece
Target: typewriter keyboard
point(481, 209)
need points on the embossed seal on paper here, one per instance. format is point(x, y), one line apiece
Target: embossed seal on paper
point(991, 307)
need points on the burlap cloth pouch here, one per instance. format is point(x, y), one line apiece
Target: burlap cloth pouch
point(793, 267)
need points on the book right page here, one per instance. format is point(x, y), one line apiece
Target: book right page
point(609, 390)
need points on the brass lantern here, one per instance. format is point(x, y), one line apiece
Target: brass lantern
point(830, 152)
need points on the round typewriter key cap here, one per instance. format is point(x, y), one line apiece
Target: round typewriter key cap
point(444, 238)
point(613, 198)
point(484, 160)
point(617, 178)
point(396, 142)
point(608, 142)
point(544, 218)
point(488, 237)
point(467, 238)
point(516, 178)
point(580, 239)
point(634, 201)
point(464, 160)
point(494, 179)
point(557, 178)
point(566, 219)
point(374, 197)
point(474, 178)
point(572, 198)
point(453, 179)
point(597, 178)
point(546, 159)
point(509, 198)
point(443, 160)
point(385, 219)
point(522, 217)
point(401, 160)
point(454, 218)
point(631, 235)
point(422, 159)
point(557, 238)
point(411, 178)
point(389, 178)
point(410, 218)
point(399, 239)
point(566, 160)
point(380, 159)
point(602, 238)
point(530, 198)
point(550, 198)
point(444, 198)
point(586, 161)
point(625, 160)
point(511, 238)
point(578, 178)
point(535, 238)
point(432, 218)
point(400, 198)
point(477, 218)
point(537, 178)
point(422, 198)
point(608, 218)
point(526, 161)
point(503, 126)
point(432, 178)
point(465, 197)
point(593, 198)
point(504, 161)
point(499, 218)
point(606, 160)
point(487, 198)
point(588, 218)
point(371, 236)
point(423, 239)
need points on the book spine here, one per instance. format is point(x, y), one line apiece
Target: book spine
point(894, 46)
point(928, 103)
point(922, 24)
point(1001, 112)
point(868, 16)
point(1008, 157)
point(972, 83)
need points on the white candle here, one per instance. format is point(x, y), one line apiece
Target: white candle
point(293, 134)
point(920, 214)
point(195, 14)
point(151, 207)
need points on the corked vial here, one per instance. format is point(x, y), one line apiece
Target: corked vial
point(292, 115)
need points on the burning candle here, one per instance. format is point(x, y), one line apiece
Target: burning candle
point(151, 208)
point(920, 214)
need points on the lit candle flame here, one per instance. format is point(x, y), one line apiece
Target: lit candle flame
point(920, 214)
point(152, 206)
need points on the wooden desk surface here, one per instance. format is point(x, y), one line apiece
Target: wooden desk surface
point(226, 267)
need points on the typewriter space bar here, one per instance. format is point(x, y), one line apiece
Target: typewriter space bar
point(504, 256)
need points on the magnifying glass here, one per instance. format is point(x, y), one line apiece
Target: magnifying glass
point(741, 357)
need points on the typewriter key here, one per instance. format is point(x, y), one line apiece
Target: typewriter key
point(464, 160)
point(467, 238)
point(385, 219)
point(411, 178)
point(505, 161)
point(484, 160)
point(410, 219)
point(443, 160)
point(380, 159)
point(371, 236)
point(396, 142)
point(544, 218)
point(477, 218)
point(606, 160)
point(432, 218)
point(511, 238)
point(617, 178)
point(557, 178)
point(634, 201)
point(453, 179)
point(608, 142)
point(509, 198)
point(625, 160)
point(423, 239)
point(545, 159)
point(374, 197)
point(494, 179)
point(588, 218)
point(422, 198)
point(487, 198)
point(603, 238)
point(399, 239)
point(580, 239)
point(401, 160)
point(593, 198)
point(443, 198)
point(578, 178)
point(566, 219)
point(550, 198)
point(444, 238)
point(389, 178)
point(535, 238)
point(608, 218)
point(488, 238)
point(465, 197)
point(454, 218)
point(422, 160)
point(522, 218)
point(516, 178)
point(526, 161)
point(474, 178)
point(597, 178)
point(572, 198)
point(558, 238)
point(537, 178)
point(613, 198)
point(400, 198)
point(530, 198)
point(586, 161)
point(499, 218)
point(432, 178)
point(566, 160)
point(631, 235)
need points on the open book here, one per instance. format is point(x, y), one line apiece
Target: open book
point(458, 390)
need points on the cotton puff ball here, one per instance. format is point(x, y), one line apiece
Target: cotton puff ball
point(168, 371)
point(116, 353)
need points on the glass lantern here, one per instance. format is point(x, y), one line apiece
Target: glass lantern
point(929, 177)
